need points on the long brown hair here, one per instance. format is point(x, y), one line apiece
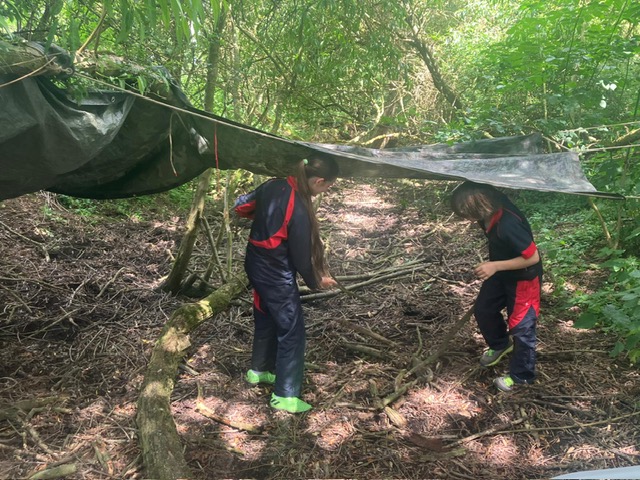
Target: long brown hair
point(476, 201)
point(321, 166)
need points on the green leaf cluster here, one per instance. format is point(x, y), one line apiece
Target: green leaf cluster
point(616, 308)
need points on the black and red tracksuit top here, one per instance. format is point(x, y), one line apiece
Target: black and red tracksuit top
point(280, 238)
point(510, 236)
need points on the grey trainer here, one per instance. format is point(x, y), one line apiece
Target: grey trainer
point(491, 357)
point(505, 383)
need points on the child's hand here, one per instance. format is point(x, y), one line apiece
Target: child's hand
point(485, 270)
point(327, 283)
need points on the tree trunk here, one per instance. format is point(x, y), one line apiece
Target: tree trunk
point(214, 61)
point(173, 282)
point(427, 56)
point(162, 451)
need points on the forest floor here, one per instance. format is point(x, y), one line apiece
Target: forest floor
point(80, 312)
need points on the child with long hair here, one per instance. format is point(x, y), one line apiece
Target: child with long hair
point(511, 279)
point(284, 241)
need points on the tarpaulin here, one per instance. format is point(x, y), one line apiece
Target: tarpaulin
point(114, 145)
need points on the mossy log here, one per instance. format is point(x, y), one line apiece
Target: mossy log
point(162, 451)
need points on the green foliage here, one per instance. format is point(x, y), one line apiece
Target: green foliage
point(565, 232)
point(567, 236)
point(137, 208)
point(82, 206)
point(560, 64)
point(616, 306)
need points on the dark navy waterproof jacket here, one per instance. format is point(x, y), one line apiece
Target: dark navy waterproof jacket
point(280, 239)
point(510, 236)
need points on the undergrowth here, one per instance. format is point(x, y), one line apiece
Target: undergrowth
point(573, 245)
point(139, 208)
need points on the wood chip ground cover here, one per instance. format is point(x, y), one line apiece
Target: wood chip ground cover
point(80, 312)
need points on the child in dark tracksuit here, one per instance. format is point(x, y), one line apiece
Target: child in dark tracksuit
point(512, 280)
point(284, 240)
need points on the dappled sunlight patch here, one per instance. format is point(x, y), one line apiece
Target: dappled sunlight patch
point(331, 431)
point(126, 410)
point(226, 431)
point(171, 225)
point(536, 455)
point(364, 195)
point(433, 408)
point(331, 386)
point(631, 380)
point(356, 386)
point(207, 352)
point(250, 447)
point(92, 411)
point(581, 452)
point(238, 409)
point(633, 450)
point(356, 220)
point(458, 289)
point(366, 213)
point(501, 450)
point(566, 327)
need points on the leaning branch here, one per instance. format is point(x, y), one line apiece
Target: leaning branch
point(162, 451)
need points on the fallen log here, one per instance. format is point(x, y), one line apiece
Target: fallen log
point(162, 451)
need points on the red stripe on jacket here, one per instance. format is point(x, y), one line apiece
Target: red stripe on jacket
point(496, 217)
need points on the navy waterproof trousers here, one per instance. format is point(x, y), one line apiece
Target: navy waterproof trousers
point(521, 298)
point(279, 338)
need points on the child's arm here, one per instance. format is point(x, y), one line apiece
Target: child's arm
point(245, 205)
point(488, 269)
